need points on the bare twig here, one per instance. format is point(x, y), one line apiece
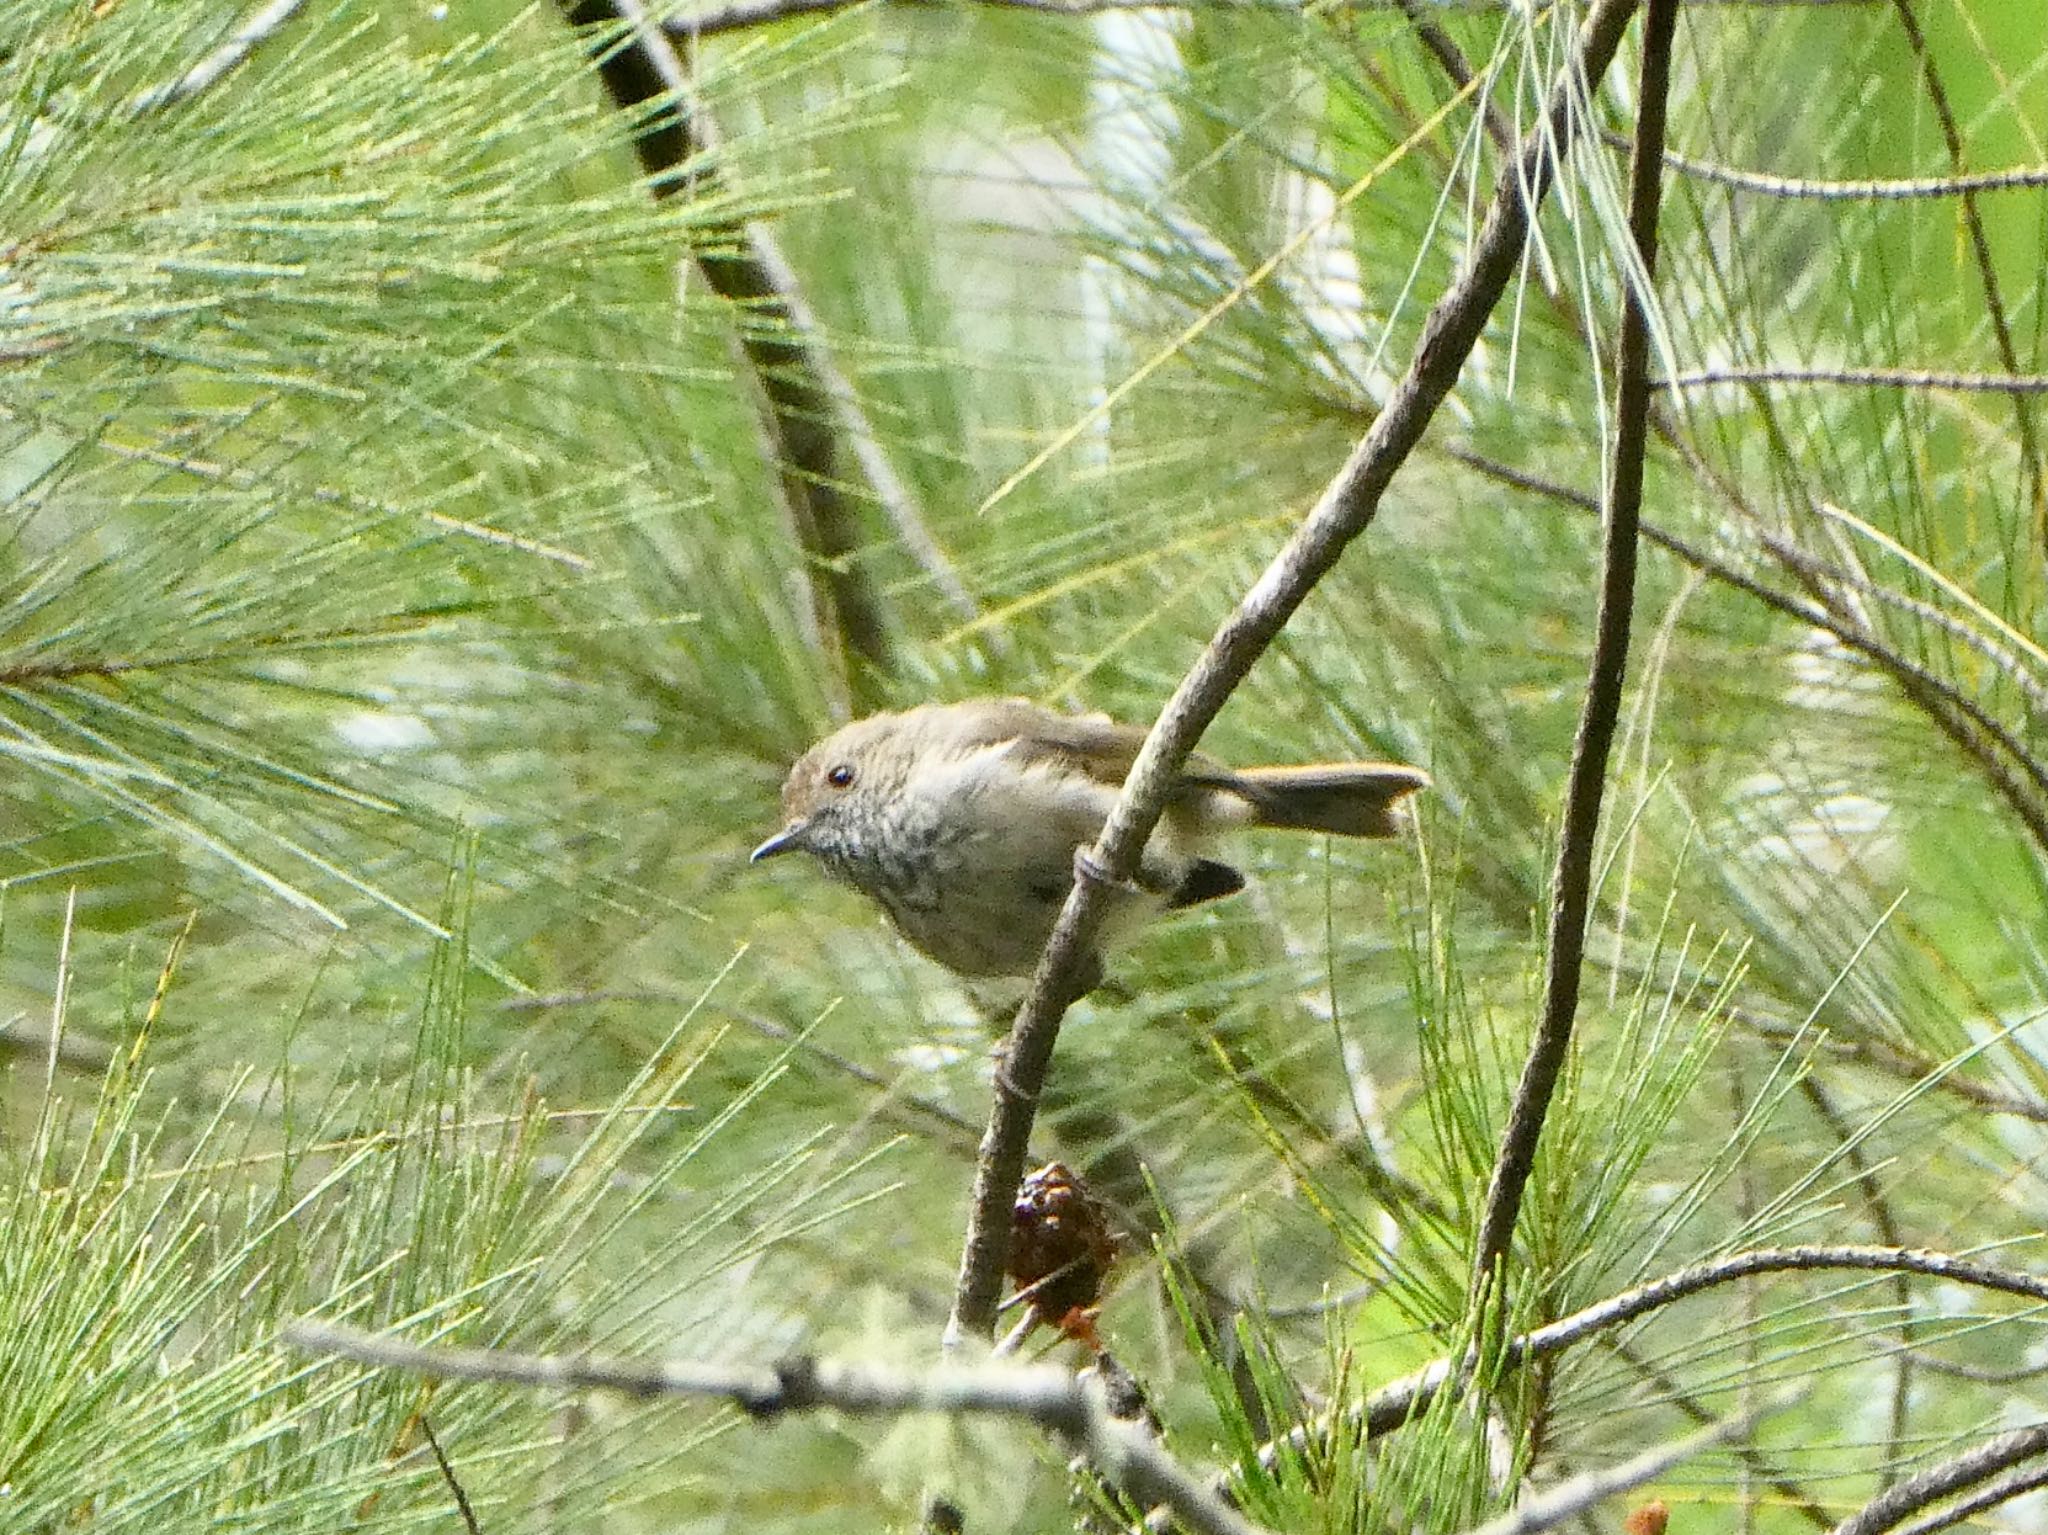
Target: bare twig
point(674, 145)
point(812, 408)
point(1879, 190)
point(2010, 665)
point(1450, 58)
point(1394, 1404)
point(1981, 1375)
point(1078, 1407)
point(1398, 1403)
point(264, 21)
point(1895, 1503)
point(2001, 757)
point(462, 1504)
point(1987, 270)
point(1345, 509)
point(1873, 378)
point(1572, 884)
point(2000, 1489)
point(738, 15)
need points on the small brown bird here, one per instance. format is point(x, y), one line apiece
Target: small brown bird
point(961, 821)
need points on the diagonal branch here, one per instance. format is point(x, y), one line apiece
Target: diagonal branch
point(2000, 755)
point(1572, 883)
point(812, 410)
point(255, 30)
point(1977, 1464)
point(1345, 509)
point(2002, 1489)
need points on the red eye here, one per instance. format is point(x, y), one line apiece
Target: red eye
point(840, 777)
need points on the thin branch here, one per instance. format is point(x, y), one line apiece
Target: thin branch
point(462, 1503)
point(2001, 1489)
point(1972, 728)
point(1572, 883)
point(674, 145)
point(848, 416)
point(1980, 1375)
point(1450, 58)
point(1393, 1405)
point(1569, 1499)
point(1855, 631)
point(812, 408)
point(739, 15)
point(1875, 378)
point(1892, 1506)
point(2015, 670)
point(1077, 1407)
point(244, 41)
point(1878, 190)
point(1987, 270)
point(1345, 509)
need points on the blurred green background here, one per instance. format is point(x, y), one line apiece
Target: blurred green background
point(406, 630)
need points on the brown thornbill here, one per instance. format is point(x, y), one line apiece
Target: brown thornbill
point(961, 821)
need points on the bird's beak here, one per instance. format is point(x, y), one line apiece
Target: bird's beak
point(789, 840)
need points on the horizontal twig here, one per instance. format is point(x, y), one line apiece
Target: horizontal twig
point(738, 15)
point(1862, 378)
point(1394, 1405)
point(1075, 1406)
point(1883, 189)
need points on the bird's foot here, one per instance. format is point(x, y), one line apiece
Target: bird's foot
point(1090, 870)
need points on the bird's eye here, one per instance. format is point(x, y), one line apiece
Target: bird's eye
point(840, 777)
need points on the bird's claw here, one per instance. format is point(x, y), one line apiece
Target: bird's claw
point(1090, 870)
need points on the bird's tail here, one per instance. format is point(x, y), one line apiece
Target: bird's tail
point(1348, 799)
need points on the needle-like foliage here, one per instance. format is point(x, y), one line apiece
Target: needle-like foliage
point(383, 471)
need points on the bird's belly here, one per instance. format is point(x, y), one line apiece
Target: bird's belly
point(980, 910)
point(972, 908)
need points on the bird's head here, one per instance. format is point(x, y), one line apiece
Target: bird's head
point(839, 791)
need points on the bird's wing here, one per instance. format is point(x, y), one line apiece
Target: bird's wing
point(1093, 744)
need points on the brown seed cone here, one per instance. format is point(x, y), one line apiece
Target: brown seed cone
point(1061, 1243)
